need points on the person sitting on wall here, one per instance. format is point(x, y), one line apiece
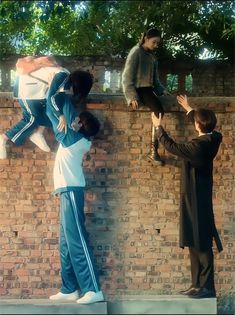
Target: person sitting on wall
point(141, 84)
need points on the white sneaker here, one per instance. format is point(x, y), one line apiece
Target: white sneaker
point(40, 141)
point(3, 150)
point(65, 297)
point(91, 297)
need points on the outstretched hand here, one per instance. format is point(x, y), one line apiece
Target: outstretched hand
point(183, 101)
point(156, 120)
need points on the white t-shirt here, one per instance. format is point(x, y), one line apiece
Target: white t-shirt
point(36, 88)
point(68, 172)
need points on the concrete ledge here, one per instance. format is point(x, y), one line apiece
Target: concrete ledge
point(45, 306)
point(162, 304)
point(144, 304)
point(117, 102)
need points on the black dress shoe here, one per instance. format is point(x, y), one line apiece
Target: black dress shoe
point(190, 291)
point(204, 293)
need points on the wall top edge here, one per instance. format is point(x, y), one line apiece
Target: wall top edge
point(117, 102)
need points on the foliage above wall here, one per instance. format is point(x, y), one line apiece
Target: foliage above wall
point(105, 27)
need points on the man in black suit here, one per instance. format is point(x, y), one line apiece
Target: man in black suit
point(197, 225)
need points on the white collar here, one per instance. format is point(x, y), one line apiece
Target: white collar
point(204, 134)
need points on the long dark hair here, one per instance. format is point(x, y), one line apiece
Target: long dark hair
point(151, 32)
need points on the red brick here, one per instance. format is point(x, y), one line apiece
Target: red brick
point(131, 207)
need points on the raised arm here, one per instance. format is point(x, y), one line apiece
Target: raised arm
point(183, 101)
point(54, 101)
point(190, 151)
point(56, 86)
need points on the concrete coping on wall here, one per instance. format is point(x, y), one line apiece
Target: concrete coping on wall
point(118, 102)
point(169, 103)
point(139, 304)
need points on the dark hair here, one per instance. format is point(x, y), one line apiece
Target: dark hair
point(81, 82)
point(90, 124)
point(151, 32)
point(206, 119)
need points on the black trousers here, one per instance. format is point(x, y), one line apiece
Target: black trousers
point(149, 98)
point(202, 268)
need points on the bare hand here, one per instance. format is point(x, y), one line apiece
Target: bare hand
point(156, 120)
point(62, 125)
point(183, 101)
point(134, 104)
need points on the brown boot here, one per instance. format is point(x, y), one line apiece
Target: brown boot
point(153, 155)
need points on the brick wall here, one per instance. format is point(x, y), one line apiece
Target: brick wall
point(131, 206)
